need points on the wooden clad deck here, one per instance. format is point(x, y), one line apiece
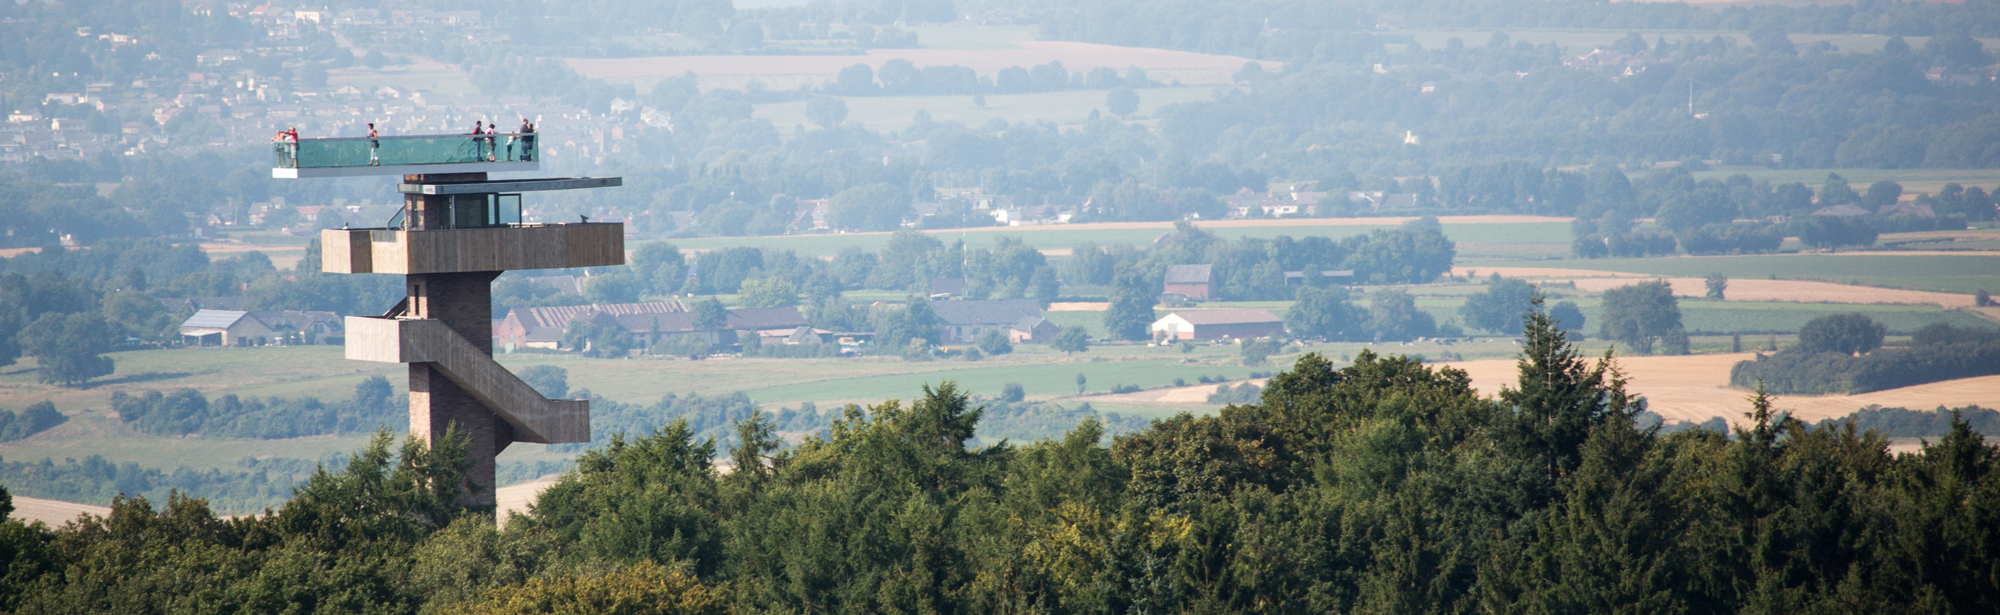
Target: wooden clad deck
point(410, 340)
point(552, 246)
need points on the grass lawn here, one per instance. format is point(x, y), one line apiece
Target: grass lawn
point(1061, 236)
point(1942, 273)
point(1746, 317)
point(319, 371)
point(1092, 322)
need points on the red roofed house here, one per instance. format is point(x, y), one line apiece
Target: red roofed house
point(1191, 281)
point(1228, 323)
point(543, 327)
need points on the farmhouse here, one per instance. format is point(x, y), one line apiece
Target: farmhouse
point(1843, 210)
point(737, 321)
point(1237, 323)
point(240, 328)
point(1191, 281)
point(1032, 330)
point(311, 326)
point(543, 327)
point(947, 288)
point(177, 305)
point(796, 336)
point(223, 328)
point(965, 321)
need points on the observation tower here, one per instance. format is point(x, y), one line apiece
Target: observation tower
point(456, 232)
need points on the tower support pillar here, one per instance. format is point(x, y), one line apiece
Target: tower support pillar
point(463, 302)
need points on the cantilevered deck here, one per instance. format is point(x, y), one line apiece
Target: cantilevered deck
point(404, 155)
point(496, 248)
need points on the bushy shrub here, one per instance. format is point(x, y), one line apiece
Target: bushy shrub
point(32, 420)
point(1843, 333)
point(1732, 239)
point(1834, 231)
point(1245, 393)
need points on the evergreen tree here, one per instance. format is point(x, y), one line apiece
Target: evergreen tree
point(1559, 397)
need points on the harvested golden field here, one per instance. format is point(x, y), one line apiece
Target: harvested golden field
point(1796, 291)
point(1695, 388)
point(784, 72)
point(53, 512)
point(1690, 388)
point(517, 498)
point(1791, 291)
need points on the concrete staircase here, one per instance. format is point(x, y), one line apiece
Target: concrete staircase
point(410, 340)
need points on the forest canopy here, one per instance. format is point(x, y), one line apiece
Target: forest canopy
point(1550, 496)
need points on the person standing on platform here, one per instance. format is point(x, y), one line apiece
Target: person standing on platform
point(520, 138)
point(527, 141)
point(374, 147)
point(478, 143)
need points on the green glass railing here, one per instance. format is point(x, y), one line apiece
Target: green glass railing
point(384, 151)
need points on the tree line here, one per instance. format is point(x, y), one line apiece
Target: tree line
point(70, 308)
point(1384, 484)
point(1843, 353)
point(187, 412)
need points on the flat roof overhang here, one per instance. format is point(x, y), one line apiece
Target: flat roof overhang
point(405, 169)
point(512, 185)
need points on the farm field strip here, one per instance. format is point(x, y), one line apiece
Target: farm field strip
point(1695, 389)
point(52, 512)
point(1943, 272)
point(100, 434)
point(1750, 289)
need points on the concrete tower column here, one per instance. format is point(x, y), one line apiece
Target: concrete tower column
point(464, 303)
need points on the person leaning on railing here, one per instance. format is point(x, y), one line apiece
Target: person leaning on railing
point(478, 142)
point(517, 144)
point(288, 149)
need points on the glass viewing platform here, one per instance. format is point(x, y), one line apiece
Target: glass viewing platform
point(404, 155)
